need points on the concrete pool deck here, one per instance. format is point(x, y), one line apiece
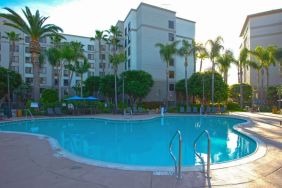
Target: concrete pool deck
point(28, 161)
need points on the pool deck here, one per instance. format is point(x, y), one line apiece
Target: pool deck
point(28, 161)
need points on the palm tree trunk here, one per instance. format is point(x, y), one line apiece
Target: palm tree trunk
point(201, 63)
point(81, 77)
point(212, 97)
point(59, 81)
point(36, 76)
point(262, 89)
point(70, 79)
point(267, 78)
point(116, 100)
point(241, 87)
point(186, 88)
point(167, 63)
point(238, 73)
point(258, 88)
point(225, 76)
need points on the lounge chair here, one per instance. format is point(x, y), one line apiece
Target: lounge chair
point(208, 110)
point(195, 109)
point(58, 111)
point(127, 111)
point(222, 109)
point(202, 110)
point(50, 112)
point(189, 110)
point(214, 110)
point(181, 109)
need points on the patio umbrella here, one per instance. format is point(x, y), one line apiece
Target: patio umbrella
point(90, 98)
point(74, 98)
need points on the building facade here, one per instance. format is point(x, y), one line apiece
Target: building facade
point(142, 29)
point(263, 29)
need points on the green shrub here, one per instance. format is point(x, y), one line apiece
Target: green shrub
point(233, 106)
point(151, 105)
point(49, 98)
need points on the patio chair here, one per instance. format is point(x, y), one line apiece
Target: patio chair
point(181, 109)
point(50, 112)
point(189, 110)
point(222, 109)
point(208, 110)
point(195, 109)
point(213, 110)
point(58, 111)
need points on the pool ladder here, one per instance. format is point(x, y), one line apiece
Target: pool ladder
point(177, 167)
point(26, 113)
point(178, 164)
point(209, 151)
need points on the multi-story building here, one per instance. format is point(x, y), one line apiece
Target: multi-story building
point(142, 29)
point(22, 59)
point(263, 29)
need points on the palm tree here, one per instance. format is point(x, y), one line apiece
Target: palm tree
point(185, 51)
point(166, 52)
point(81, 68)
point(36, 29)
point(265, 57)
point(201, 54)
point(113, 39)
point(115, 60)
point(257, 66)
point(215, 47)
point(13, 37)
point(100, 36)
point(224, 62)
point(243, 63)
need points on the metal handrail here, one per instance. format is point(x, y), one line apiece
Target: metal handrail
point(209, 150)
point(177, 167)
point(27, 110)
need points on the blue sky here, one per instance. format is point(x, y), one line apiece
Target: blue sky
point(212, 17)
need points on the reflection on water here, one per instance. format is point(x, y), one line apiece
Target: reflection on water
point(143, 142)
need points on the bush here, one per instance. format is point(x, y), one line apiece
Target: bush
point(49, 98)
point(151, 105)
point(233, 106)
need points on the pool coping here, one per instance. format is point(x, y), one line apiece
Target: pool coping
point(61, 152)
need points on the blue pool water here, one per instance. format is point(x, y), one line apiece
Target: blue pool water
point(142, 143)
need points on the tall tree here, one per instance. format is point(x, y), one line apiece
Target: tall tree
point(36, 28)
point(201, 53)
point(81, 68)
point(215, 47)
point(12, 37)
point(115, 57)
point(187, 49)
point(224, 62)
point(257, 66)
point(100, 36)
point(167, 51)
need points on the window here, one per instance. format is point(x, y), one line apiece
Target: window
point(16, 48)
point(29, 80)
point(43, 70)
point(101, 74)
point(15, 59)
point(56, 82)
point(90, 73)
point(43, 80)
point(125, 31)
point(171, 37)
point(43, 49)
point(42, 40)
point(103, 56)
point(27, 39)
point(125, 66)
point(128, 39)
point(171, 74)
point(66, 92)
point(27, 49)
point(91, 56)
point(66, 73)
point(102, 65)
point(171, 62)
point(66, 82)
point(90, 47)
point(28, 70)
point(15, 68)
point(128, 51)
point(92, 65)
point(103, 48)
point(125, 43)
point(171, 87)
point(128, 64)
point(129, 27)
point(27, 59)
point(171, 24)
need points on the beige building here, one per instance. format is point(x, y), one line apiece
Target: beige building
point(263, 29)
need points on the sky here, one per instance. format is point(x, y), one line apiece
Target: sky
point(212, 17)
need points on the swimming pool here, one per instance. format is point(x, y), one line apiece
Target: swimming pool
point(141, 142)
